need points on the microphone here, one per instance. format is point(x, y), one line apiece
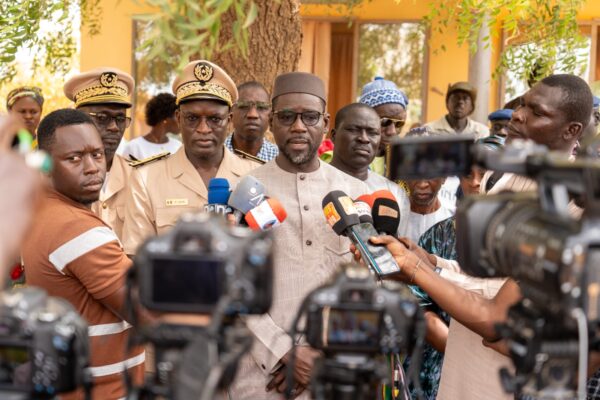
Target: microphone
point(363, 206)
point(269, 214)
point(344, 219)
point(218, 195)
point(248, 194)
point(385, 212)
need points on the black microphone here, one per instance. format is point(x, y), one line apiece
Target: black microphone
point(343, 217)
point(248, 194)
point(386, 212)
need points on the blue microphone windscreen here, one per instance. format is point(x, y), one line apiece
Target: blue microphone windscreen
point(218, 191)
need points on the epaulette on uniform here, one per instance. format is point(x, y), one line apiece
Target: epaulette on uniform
point(146, 161)
point(243, 154)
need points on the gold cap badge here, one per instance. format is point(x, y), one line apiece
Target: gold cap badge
point(203, 72)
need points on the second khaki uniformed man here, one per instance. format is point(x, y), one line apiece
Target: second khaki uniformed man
point(103, 94)
point(160, 192)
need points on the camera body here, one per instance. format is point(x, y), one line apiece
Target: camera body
point(44, 348)
point(201, 260)
point(353, 321)
point(533, 238)
point(354, 315)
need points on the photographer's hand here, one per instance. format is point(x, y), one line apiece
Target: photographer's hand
point(408, 261)
point(19, 186)
point(471, 309)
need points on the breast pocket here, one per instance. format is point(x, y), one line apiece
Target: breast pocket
point(337, 251)
point(167, 217)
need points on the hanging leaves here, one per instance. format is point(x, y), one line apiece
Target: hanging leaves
point(193, 29)
point(45, 28)
point(540, 34)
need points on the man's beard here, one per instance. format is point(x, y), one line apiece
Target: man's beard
point(303, 157)
point(88, 200)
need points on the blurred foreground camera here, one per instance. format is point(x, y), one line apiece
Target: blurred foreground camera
point(354, 322)
point(200, 261)
point(202, 266)
point(44, 348)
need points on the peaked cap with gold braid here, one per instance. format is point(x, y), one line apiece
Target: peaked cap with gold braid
point(203, 80)
point(105, 85)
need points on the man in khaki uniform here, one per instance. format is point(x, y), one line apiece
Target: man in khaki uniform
point(160, 192)
point(103, 94)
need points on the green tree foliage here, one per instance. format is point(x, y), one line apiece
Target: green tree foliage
point(551, 25)
point(45, 27)
point(394, 50)
point(193, 28)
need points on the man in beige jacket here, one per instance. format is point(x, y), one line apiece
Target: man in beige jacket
point(307, 251)
point(161, 191)
point(103, 93)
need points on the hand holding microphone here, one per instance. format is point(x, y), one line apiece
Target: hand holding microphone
point(343, 216)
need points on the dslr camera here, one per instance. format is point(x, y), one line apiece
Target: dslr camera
point(353, 321)
point(533, 238)
point(44, 348)
point(202, 261)
point(201, 266)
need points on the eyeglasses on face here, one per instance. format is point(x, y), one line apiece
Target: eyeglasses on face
point(104, 120)
point(192, 121)
point(288, 117)
point(245, 106)
point(387, 122)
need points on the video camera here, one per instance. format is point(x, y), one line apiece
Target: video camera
point(44, 349)
point(532, 238)
point(201, 266)
point(353, 321)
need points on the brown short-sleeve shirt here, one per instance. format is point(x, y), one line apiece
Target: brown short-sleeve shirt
point(73, 254)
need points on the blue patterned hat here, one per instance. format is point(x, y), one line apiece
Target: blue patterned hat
point(381, 91)
point(596, 102)
point(500, 115)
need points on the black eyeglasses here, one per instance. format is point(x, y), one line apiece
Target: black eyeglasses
point(192, 121)
point(104, 120)
point(288, 117)
point(398, 123)
point(245, 106)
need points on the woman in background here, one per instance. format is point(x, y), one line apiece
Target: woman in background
point(26, 104)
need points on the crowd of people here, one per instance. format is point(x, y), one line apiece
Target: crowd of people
point(104, 197)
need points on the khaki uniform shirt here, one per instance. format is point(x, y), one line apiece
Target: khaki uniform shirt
point(111, 205)
point(473, 127)
point(307, 254)
point(160, 192)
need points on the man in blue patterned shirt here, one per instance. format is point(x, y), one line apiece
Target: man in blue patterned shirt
point(250, 117)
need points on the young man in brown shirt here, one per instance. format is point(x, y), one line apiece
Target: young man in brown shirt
point(73, 254)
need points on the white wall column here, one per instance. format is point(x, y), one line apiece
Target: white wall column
point(480, 74)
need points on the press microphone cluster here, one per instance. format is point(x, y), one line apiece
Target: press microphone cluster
point(363, 218)
point(247, 203)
